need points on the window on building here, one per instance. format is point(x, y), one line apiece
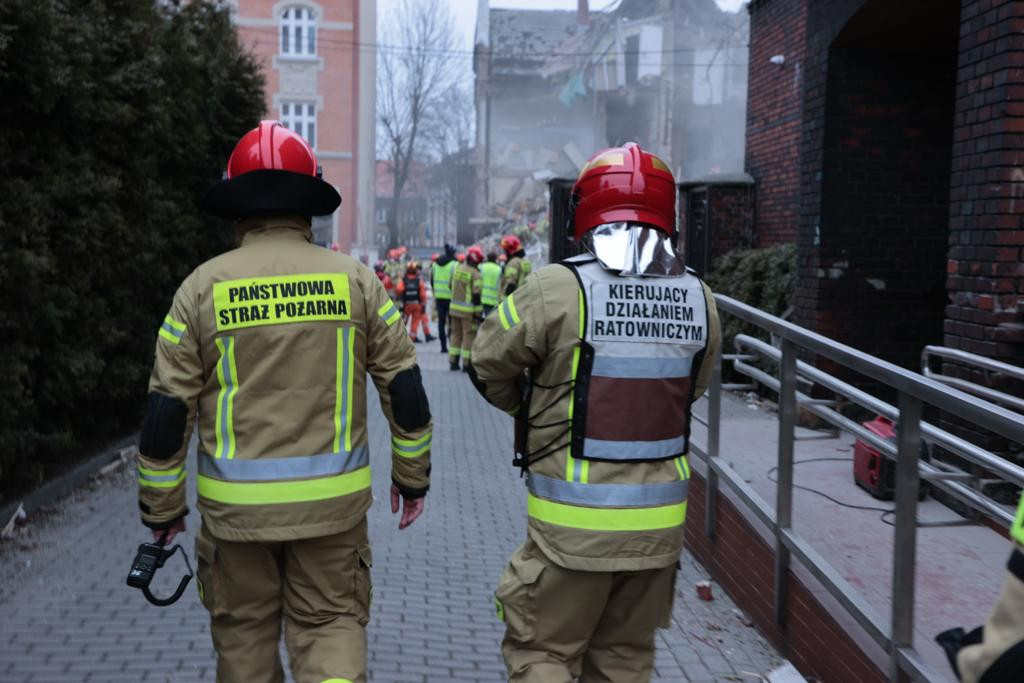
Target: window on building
point(298, 32)
point(301, 118)
point(382, 215)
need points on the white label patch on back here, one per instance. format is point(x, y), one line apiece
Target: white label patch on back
point(661, 313)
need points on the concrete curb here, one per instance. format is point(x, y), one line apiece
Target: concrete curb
point(65, 484)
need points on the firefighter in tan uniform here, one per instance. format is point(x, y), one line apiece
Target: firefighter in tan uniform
point(994, 653)
point(599, 358)
point(466, 308)
point(267, 349)
point(517, 266)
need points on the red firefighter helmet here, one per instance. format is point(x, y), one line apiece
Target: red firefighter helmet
point(474, 255)
point(624, 184)
point(511, 244)
point(271, 170)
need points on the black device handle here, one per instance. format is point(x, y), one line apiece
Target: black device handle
point(182, 585)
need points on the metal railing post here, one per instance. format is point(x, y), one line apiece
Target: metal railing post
point(714, 424)
point(784, 486)
point(908, 440)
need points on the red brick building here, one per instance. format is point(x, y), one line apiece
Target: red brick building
point(322, 85)
point(887, 139)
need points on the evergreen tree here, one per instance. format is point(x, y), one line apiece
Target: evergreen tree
point(116, 116)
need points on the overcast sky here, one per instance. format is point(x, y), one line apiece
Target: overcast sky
point(465, 11)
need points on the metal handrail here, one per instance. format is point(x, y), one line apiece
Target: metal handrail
point(943, 479)
point(976, 361)
point(914, 390)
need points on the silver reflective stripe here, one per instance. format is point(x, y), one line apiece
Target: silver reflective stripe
point(641, 368)
point(176, 476)
point(275, 469)
point(173, 332)
point(607, 495)
point(634, 450)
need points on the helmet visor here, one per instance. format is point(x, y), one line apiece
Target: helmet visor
point(634, 249)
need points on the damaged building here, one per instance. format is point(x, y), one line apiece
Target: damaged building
point(552, 87)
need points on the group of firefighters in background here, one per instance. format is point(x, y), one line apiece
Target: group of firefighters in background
point(466, 286)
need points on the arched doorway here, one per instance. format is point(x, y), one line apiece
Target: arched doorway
point(881, 241)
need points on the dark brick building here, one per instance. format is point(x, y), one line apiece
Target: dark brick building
point(887, 139)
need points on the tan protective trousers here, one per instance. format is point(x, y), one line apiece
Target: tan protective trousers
point(562, 625)
point(460, 340)
point(320, 586)
point(1003, 632)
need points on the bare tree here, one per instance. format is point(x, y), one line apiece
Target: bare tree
point(416, 65)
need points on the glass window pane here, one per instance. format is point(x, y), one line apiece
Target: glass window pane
point(309, 110)
point(286, 110)
point(298, 39)
point(286, 13)
point(311, 137)
point(312, 40)
point(285, 47)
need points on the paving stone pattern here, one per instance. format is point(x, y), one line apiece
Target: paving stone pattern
point(66, 614)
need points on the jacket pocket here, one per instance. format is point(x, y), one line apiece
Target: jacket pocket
point(516, 598)
point(363, 583)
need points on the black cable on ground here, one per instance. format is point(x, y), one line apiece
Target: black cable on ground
point(870, 508)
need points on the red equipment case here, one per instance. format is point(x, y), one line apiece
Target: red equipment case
point(872, 471)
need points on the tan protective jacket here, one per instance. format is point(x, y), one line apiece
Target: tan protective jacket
point(268, 346)
point(514, 274)
point(467, 287)
point(636, 522)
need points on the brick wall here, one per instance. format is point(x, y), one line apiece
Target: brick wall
point(985, 279)
point(774, 107)
point(728, 225)
point(881, 244)
point(813, 641)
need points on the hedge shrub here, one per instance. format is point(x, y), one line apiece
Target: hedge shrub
point(116, 116)
point(762, 278)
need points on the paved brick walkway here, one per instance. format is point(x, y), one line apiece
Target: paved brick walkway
point(66, 615)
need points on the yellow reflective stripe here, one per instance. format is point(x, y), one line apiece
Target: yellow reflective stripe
point(606, 519)
point(584, 471)
point(569, 460)
point(161, 473)
point(178, 327)
point(350, 382)
point(168, 336)
point(512, 309)
point(227, 377)
point(271, 493)
point(336, 680)
point(411, 448)
point(679, 468)
point(582, 313)
point(1017, 532)
point(389, 313)
point(344, 379)
point(505, 325)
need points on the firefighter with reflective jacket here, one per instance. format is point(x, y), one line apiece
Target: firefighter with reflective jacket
point(266, 349)
point(599, 358)
point(441, 272)
point(412, 297)
point(994, 653)
point(517, 267)
point(490, 281)
point(466, 308)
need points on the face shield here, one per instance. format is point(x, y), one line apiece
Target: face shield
point(634, 250)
